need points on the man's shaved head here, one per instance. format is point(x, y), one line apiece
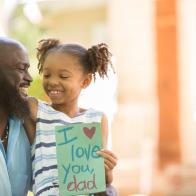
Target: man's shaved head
point(8, 46)
point(8, 41)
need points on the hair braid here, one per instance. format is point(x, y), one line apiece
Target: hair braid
point(99, 59)
point(44, 46)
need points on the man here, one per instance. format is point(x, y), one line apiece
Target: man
point(15, 156)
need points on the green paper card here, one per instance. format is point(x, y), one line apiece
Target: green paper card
point(80, 168)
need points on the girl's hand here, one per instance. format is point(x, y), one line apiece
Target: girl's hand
point(110, 159)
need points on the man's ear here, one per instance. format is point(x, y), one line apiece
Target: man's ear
point(87, 81)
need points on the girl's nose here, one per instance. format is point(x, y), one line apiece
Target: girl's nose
point(53, 81)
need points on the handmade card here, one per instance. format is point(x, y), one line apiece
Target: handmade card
point(80, 168)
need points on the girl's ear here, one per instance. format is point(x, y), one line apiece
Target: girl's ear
point(87, 81)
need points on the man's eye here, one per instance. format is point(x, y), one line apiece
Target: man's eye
point(21, 69)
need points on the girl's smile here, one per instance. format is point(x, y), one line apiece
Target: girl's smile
point(55, 94)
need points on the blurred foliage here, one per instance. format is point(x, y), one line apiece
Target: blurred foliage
point(36, 89)
point(29, 34)
point(25, 31)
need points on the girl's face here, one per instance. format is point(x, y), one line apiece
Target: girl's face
point(63, 78)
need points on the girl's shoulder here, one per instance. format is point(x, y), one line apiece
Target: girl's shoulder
point(36, 104)
point(93, 110)
point(43, 104)
point(45, 108)
point(33, 107)
point(95, 114)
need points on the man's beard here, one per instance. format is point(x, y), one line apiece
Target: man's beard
point(10, 99)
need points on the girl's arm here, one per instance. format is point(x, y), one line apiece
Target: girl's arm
point(30, 121)
point(110, 159)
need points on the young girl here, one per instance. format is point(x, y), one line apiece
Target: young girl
point(66, 70)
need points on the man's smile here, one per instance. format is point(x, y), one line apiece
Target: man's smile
point(23, 89)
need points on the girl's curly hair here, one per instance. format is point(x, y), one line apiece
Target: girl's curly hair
point(94, 60)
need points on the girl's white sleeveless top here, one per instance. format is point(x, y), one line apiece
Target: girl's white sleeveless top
point(44, 158)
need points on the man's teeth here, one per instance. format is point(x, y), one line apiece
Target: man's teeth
point(23, 90)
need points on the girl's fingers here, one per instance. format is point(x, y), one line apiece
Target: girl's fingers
point(109, 165)
point(106, 156)
point(109, 158)
point(108, 153)
point(106, 167)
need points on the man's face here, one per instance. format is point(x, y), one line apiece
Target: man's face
point(17, 70)
point(14, 80)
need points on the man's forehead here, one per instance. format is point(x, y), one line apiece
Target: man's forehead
point(8, 46)
point(7, 49)
point(13, 56)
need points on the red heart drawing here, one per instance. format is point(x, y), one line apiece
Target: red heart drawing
point(89, 132)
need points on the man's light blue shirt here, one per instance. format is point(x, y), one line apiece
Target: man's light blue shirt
point(15, 165)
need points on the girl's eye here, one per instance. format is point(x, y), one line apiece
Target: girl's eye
point(46, 75)
point(64, 77)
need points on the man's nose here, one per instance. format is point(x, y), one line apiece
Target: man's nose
point(28, 77)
